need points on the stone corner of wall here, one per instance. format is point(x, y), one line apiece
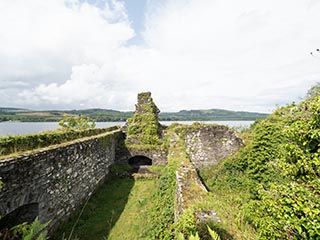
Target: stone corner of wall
point(210, 145)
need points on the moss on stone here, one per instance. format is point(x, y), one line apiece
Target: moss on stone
point(13, 145)
point(182, 129)
point(104, 138)
point(144, 127)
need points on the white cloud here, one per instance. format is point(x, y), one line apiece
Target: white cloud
point(41, 42)
point(239, 49)
point(241, 55)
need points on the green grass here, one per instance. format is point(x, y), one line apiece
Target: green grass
point(116, 211)
point(272, 184)
point(133, 219)
point(226, 196)
point(101, 212)
point(228, 207)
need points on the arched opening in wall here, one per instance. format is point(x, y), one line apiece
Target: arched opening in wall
point(139, 160)
point(26, 213)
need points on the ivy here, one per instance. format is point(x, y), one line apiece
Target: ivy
point(280, 167)
point(144, 127)
point(18, 144)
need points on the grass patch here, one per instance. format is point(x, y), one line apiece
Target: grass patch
point(227, 195)
point(133, 219)
point(117, 211)
point(101, 213)
point(157, 169)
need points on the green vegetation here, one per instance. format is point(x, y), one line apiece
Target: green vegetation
point(314, 90)
point(213, 235)
point(98, 115)
point(105, 115)
point(144, 132)
point(76, 123)
point(268, 190)
point(129, 208)
point(211, 115)
point(119, 210)
point(25, 231)
point(144, 128)
point(161, 215)
point(277, 174)
point(101, 212)
point(133, 220)
point(195, 199)
point(183, 129)
point(19, 144)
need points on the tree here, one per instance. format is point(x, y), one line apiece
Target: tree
point(76, 123)
point(314, 90)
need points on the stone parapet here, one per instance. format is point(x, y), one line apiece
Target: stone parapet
point(59, 178)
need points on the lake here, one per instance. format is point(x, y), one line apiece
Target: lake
point(21, 128)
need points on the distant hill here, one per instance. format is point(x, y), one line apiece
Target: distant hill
point(211, 115)
point(107, 115)
point(10, 109)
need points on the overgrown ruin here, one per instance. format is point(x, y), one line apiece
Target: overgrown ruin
point(57, 180)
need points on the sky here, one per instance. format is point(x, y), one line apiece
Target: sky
point(249, 55)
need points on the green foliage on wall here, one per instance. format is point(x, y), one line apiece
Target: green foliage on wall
point(280, 168)
point(144, 127)
point(17, 144)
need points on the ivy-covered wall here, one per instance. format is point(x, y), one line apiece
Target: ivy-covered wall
point(145, 133)
point(21, 143)
point(59, 178)
point(144, 127)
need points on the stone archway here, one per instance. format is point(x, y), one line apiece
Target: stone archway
point(25, 213)
point(139, 160)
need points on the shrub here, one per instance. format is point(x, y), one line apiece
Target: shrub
point(76, 123)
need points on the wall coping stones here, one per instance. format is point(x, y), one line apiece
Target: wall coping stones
point(26, 154)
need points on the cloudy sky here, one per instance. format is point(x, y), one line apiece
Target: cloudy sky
point(191, 54)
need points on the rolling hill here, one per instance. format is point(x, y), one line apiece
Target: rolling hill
point(105, 115)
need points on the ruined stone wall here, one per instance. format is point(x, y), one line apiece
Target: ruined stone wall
point(189, 188)
point(211, 144)
point(59, 178)
point(158, 156)
point(144, 132)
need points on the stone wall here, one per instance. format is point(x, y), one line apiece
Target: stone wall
point(211, 144)
point(59, 178)
point(189, 189)
point(158, 156)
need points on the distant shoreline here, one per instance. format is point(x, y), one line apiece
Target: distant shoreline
point(107, 115)
point(22, 128)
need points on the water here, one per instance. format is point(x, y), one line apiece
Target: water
point(21, 128)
